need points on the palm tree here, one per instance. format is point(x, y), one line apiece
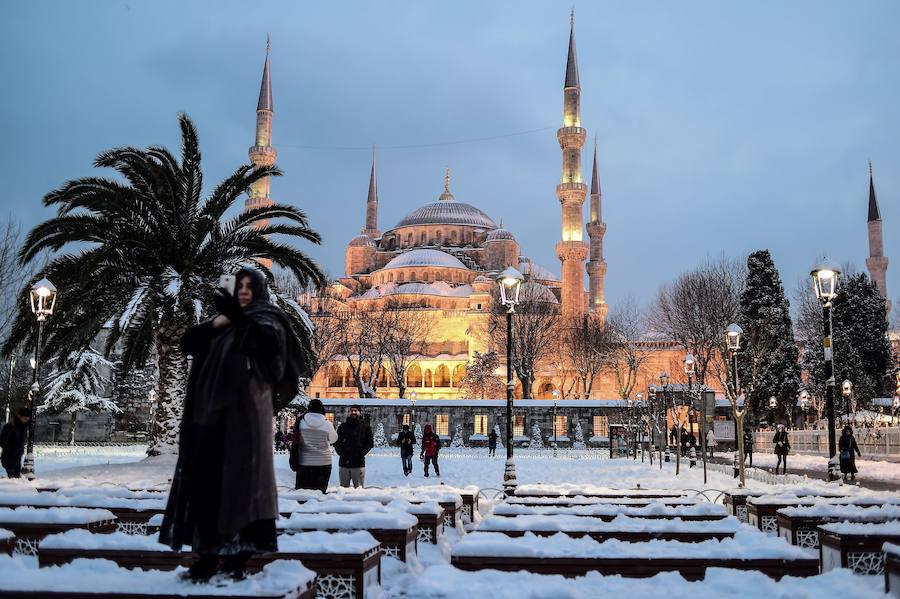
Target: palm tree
point(145, 254)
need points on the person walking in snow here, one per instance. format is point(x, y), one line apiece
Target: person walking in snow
point(311, 448)
point(406, 439)
point(711, 442)
point(782, 448)
point(748, 446)
point(12, 442)
point(354, 441)
point(492, 443)
point(431, 446)
point(848, 447)
point(246, 364)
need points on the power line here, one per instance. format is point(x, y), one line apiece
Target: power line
point(425, 145)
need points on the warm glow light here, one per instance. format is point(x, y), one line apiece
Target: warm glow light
point(826, 277)
point(689, 364)
point(847, 387)
point(43, 299)
point(733, 336)
point(773, 403)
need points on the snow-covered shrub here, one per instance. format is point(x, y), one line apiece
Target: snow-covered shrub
point(578, 440)
point(378, 437)
point(536, 440)
point(499, 436)
point(457, 440)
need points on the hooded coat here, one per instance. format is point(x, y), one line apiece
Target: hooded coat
point(431, 443)
point(12, 443)
point(223, 498)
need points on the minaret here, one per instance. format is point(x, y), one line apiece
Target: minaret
point(596, 228)
point(877, 262)
point(371, 228)
point(571, 191)
point(262, 153)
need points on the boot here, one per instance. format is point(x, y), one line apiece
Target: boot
point(202, 569)
point(234, 566)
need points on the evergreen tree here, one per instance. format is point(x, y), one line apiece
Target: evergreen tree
point(379, 438)
point(536, 439)
point(578, 441)
point(499, 436)
point(457, 440)
point(862, 352)
point(770, 366)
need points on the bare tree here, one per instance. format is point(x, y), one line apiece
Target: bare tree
point(404, 331)
point(325, 313)
point(535, 328)
point(626, 326)
point(589, 349)
point(480, 380)
point(361, 344)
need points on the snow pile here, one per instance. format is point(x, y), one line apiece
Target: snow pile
point(84, 501)
point(410, 494)
point(447, 582)
point(621, 523)
point(53, 515)
point(84, 539)
point(889, 529)
point(652, 509)
point(581, 500)
point(362, 521)
point(327, 542)
point(103, 576)
point(857, 513)
point(337, 506)
point(572, 490)
point(746, 544)
point(792, 499)
point(5, 534)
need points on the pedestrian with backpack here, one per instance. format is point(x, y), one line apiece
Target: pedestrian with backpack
point(406, 439)
point(310, 455)
point(431, 446)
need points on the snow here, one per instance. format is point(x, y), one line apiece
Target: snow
point(652, 509)
point(891, 548)
point(53, 515)
point(338, 506)
point(104, 576)
point(876, 470)
point(5, 534)
point(846, 512)
point(364, 520)
point(621, 523)
point(891, 528)
point(746, 544)
point(568, 489)
point(84, 501)
point(862, 499)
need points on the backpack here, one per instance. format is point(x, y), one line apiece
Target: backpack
point(430, 445)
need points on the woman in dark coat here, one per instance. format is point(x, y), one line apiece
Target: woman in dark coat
point(246, 366)
point(782, 448)
point(847, 446)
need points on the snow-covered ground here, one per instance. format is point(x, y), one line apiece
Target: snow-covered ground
point(888, 472)
point(431, 576)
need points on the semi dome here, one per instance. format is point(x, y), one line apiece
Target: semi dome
point(500, 235)
point(535, 292)
point(447, 212)
point(361, 241)
point(425, 257)
point(536, 271)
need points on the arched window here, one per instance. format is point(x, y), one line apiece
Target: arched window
point(391, 278)
point(459, 373)
point(428, 381)
point(399, 277)
point(442, 376)
point(409, 239)
point(453, 237)
point(414, 376)
point(423, 238)
point(335, 376)
point(439, 236)
point(412, 276)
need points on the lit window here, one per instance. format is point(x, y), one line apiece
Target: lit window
point(442, 424)
point(329, 416)
point(601, 426)
point(561, 426)
point(518, 426)
point(481, 424)
point(406, 419)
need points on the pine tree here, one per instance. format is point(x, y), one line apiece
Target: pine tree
point(862, 352)
point(457, 440)
point(499, 436)
point(418, 433)
point(75, 385)
point(770, 367)
point(578, 442)
point(536, 439)
point(378, 437)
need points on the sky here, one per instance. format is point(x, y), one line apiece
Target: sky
point(723, 127)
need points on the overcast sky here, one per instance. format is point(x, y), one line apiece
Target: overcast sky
point(722, 126)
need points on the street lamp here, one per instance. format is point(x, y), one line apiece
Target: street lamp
point(510, 281)
point(773, 405)
point(652, 397)
point(847, 391)
point(826, 277)
point(635, 423)
point(804, 404)
point(555, 398)
point(664, 383)
point(43, 300)
point(733, 334)
point(412, 399)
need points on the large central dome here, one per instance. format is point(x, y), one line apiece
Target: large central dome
point(448, 212)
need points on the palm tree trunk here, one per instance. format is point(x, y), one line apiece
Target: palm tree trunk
point(173, 370)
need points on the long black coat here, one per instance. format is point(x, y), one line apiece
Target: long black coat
point(12, 443)
point(355, 440)
point(223, 497)
point(847, 447)
point(785, 447)
point(406, 440)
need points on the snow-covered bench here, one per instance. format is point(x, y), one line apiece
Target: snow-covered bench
point(568, 501)
point(622, 528)
point(30, 524)
point(799, 525)
point(856, 545)
point(762, 512)
point(571, 490)
point(468, 494)
point(348, 565)
point(396, 531)
point(560, 554)
point(449, 500)
point(891, 568)
point(699, 512)
point(429, 514)
point(99, 579)
point(735, 500)
point(132, 514)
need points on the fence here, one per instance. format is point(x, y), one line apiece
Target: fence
point(874, 443)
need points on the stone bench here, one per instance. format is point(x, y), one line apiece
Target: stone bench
point(762, 512)
point(396, 531)
point(450, 501)
point(799, 525)
point(30, 525)
point(700, 512)
point(468, 495)
point(100, 579)
point(430, 515)
point(570, 490)
point(858, 546)
point(735, 500)
point(748, 550)
point(891, 568)
point(581, 500)
point(348, 565)
point(622, 528)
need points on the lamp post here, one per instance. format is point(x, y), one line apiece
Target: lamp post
point(804, 405)
point(733, 334)
point(510, 281)
point(555, 398)
point(826, 277)
point(689, 369)
point(773, 405)
point(638, 422)
point(12, 367)
point(43, 300)
point(412, 399)
point(847, 392)
point(661, 429)
point(664, 383)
